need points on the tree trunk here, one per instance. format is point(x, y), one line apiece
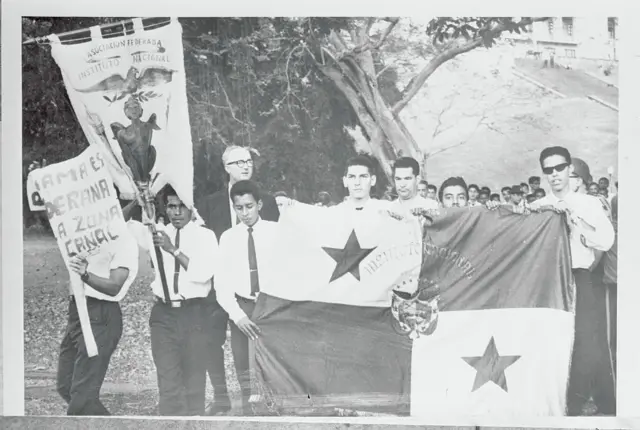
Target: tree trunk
point(388, 136)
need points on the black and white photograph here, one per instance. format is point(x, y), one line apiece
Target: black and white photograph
point(411, 217)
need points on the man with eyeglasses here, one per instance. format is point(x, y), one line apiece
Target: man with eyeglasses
point(218, 215)
point(590, 231)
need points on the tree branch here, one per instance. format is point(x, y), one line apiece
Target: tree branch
point(418, 81)
point(226, 96)
point(368, 45)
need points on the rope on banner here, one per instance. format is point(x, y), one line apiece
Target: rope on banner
point(114, 29)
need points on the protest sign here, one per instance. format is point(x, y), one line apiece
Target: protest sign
point(84, 212)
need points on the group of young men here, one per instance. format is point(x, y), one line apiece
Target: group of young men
point(212, 274)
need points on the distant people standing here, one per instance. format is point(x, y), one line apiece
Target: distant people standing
point(593, 189)
point(474, 193)
point(506, 194)
point(454, 193)
point(324, 199)
point(423, 189)
point(483, 198)
point(534, 183)
point(518, 203)
point(432, 192)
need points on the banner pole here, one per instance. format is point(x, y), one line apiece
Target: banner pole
point(122, 23)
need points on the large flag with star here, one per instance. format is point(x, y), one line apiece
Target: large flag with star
point(501, 320)
point(328, 339)
point(504, 334)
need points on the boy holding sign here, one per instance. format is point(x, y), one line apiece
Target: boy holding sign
point(102, 257)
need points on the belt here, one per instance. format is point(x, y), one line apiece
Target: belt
point(72, 299)
point(180, 303)
point(247, 299)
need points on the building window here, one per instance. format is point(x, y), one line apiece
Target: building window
point(612, 23)
point(570, 53)
point(567, 26)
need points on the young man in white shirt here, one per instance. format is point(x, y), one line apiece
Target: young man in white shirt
point(217, 212)
point(179, 319)
point(454, 193)
point(359, 179)
point(107, 277)
point(406, 176)
point(249, 263)
point(590, 230)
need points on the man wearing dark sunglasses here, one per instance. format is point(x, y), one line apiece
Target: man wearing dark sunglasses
point(591, 375)
point(218, 215)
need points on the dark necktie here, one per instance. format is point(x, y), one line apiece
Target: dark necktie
point(253, 264)
point(176, 270)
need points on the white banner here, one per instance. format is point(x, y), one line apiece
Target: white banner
point(129, 95)
point(84, 213)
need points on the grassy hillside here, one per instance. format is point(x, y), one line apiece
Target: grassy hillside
point(495, 123)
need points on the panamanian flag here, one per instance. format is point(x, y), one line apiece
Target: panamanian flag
point(499, 323)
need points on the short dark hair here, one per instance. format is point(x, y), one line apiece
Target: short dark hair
point(494, 196)
point(423, 182)
point(505, 189)
point(541, 191)
point(524, 184)
point(554, 150)
point(244, 187)
point(473, 186)
point(531, 198)
point(452, 182)
point(361, 160)
point(533, 179)
point(486, 189)
point(606, 179)
point(405, 163)
point(435, 189)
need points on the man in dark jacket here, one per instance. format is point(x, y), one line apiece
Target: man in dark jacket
point(217, 213)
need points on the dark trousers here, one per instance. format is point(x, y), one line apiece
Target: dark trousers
point(217, 330)
point(612, 291)
point(178, 346)
point(79, 377)
point(240, 350)
point(591, 371)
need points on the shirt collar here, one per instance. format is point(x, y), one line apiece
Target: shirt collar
point(246, 227)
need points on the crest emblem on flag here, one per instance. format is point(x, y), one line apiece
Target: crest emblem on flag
point(417, 314)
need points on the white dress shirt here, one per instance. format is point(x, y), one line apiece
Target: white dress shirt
point(404, 207)
point(232, 276)
point(584, 241)
point(123, 252)
point(200, 245)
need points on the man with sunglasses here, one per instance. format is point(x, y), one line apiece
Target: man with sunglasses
point(218, 215)
point(591, 375)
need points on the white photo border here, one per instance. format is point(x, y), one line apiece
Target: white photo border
point(11, 257)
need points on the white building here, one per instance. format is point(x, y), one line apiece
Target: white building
point(568, 38)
